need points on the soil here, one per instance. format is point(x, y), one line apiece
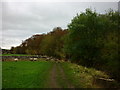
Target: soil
point(53, 83)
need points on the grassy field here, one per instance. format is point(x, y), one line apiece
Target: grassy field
point(25, 74)
point(48, 74)
point(15, 55)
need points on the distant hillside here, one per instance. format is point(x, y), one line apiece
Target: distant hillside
point(50, 44)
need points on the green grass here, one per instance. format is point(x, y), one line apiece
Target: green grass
point(15, 55)
point(60, 79)
point(25, 74)
point(82, 77)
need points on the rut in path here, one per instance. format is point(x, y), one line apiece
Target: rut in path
point(53, 76)
point(64, 77)
point(57, 71)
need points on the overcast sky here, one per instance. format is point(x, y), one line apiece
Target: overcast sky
point(21, 20)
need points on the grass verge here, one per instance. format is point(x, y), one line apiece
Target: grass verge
point(25, 74)
point(82, 77)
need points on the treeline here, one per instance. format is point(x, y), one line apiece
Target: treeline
point(50, 44)
point(91, 40)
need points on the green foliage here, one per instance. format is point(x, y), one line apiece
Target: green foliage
point(93, 41)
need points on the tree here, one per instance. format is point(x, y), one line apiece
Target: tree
point(92, 40)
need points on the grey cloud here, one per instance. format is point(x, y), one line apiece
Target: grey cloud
point(22, 19)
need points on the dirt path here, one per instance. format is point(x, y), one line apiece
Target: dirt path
point(53, 76)
point(64, 77)
point(58, 72)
